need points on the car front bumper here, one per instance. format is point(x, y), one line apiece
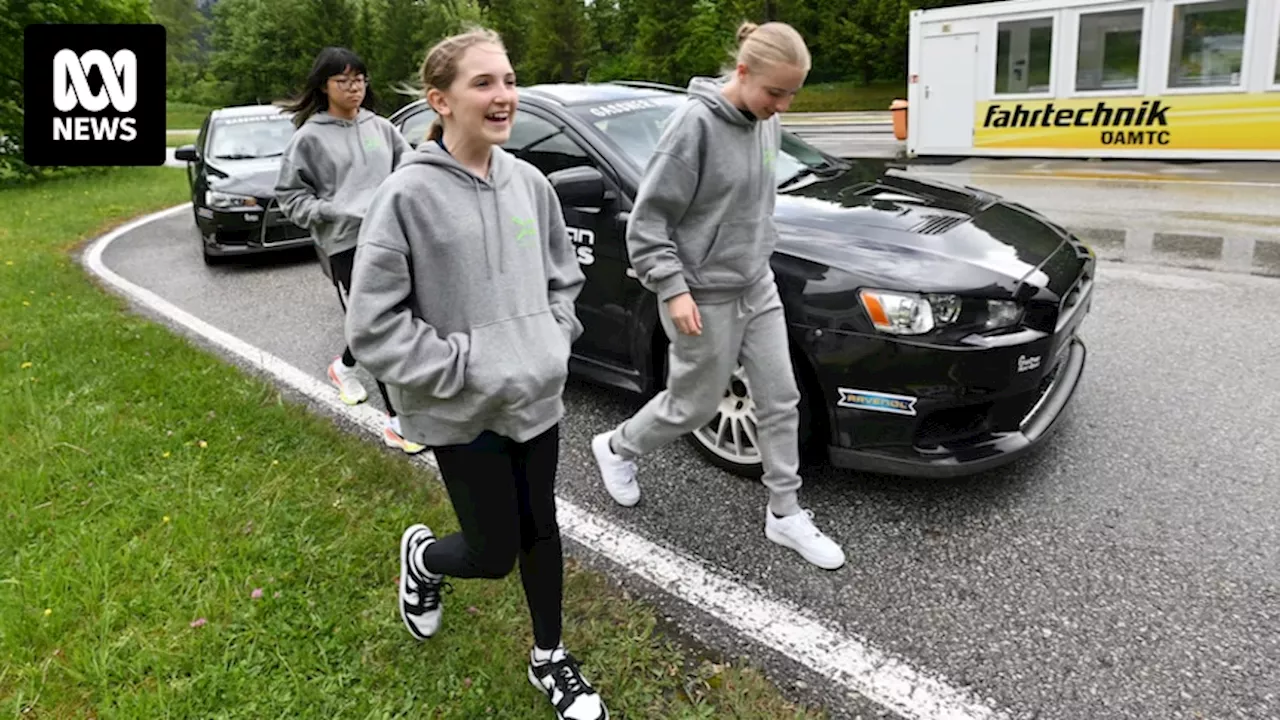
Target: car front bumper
point(985, 450)
point(244, 232)
point(939, 412)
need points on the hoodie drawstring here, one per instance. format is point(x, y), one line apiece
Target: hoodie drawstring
point(364, 154)
point(484, 228)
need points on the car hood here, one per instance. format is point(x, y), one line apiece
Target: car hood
point(904, 233)
point(254, 176)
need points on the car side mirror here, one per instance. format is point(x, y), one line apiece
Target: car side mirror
point(580, 186)
point(186, 153)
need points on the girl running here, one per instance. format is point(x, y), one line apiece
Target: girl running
point(700, 237)
point(462, 301)
point(340, 153)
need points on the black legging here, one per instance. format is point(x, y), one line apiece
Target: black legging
point(503, 493)
point(340, 266)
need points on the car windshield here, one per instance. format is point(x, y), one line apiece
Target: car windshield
point(634, 127)
point(257, 136)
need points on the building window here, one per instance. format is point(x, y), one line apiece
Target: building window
point(1277, 75)
point(1024, 51)
point(1109, 50)
point(1207, 45)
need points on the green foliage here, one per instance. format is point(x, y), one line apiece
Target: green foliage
point(16, 15)
point(234, 52)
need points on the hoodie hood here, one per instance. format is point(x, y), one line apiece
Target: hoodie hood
point(709, 91)
point(360, 126)
point(486, 191)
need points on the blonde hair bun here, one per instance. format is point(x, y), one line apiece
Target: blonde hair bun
point(774, 43)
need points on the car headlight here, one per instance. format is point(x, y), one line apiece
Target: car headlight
point(903, 313)
point(228, 201)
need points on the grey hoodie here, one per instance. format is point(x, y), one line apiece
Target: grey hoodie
point(703, 216)
point(329, 171)
point(462, 298)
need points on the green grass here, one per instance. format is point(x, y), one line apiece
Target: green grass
point(184, 116)
point(149, 488)
point(847, 96)
point(176, 139)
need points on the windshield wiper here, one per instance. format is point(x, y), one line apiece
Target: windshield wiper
point(807, 170)
point(234, 156)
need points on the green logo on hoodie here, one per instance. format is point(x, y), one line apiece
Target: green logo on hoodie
point(527, 234)
point(770, 155)
point(371, 143)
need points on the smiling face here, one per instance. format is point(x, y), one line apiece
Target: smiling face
point(346, 90)
point(480, 103)
point(770, 90)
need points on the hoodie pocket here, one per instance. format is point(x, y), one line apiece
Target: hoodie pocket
point(517, 361)
point(735, 254)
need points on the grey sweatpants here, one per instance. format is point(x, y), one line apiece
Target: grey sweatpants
point(752, 330)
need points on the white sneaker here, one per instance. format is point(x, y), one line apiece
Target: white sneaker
point(798, 532)
point(561, 679)
point(350, 389)
point(618, 473)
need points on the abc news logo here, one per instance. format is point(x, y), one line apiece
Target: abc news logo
point(95, 95)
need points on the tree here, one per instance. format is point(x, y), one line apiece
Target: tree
point(560, 42)
point(656, 46)
point(183, 24)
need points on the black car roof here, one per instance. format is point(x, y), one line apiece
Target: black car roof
point(576, 94)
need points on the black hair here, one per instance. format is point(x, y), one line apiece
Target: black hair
point(329, 62)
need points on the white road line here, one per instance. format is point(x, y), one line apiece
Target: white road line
point(848, 661)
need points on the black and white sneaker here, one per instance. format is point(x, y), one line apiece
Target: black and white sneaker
point(562, 682)
point(419, 591)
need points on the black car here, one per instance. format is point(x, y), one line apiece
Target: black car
point(933, 328)
point(232, 171)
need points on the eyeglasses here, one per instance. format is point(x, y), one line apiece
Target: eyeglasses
point(346, 83)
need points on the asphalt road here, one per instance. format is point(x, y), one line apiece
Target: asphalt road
point(866, 139)
point(1130, 570)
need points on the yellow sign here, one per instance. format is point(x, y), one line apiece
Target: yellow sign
point(1169, 122)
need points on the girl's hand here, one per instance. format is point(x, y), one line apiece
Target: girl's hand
point(685, 315)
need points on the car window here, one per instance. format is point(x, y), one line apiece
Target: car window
point(256, 136)
point(416, 125)
point(533, 139)
point(542, 144)
point(635, 126)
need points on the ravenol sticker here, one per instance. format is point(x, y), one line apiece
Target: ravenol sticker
point(877, 401)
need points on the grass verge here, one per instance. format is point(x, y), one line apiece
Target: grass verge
point(176, 139)
point(180, 542)
point(184, 116)
point(847, 97)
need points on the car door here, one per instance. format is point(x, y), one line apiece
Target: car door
point(195, 170)
point(596, 232)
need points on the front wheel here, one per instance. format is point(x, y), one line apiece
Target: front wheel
point(731, 440)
